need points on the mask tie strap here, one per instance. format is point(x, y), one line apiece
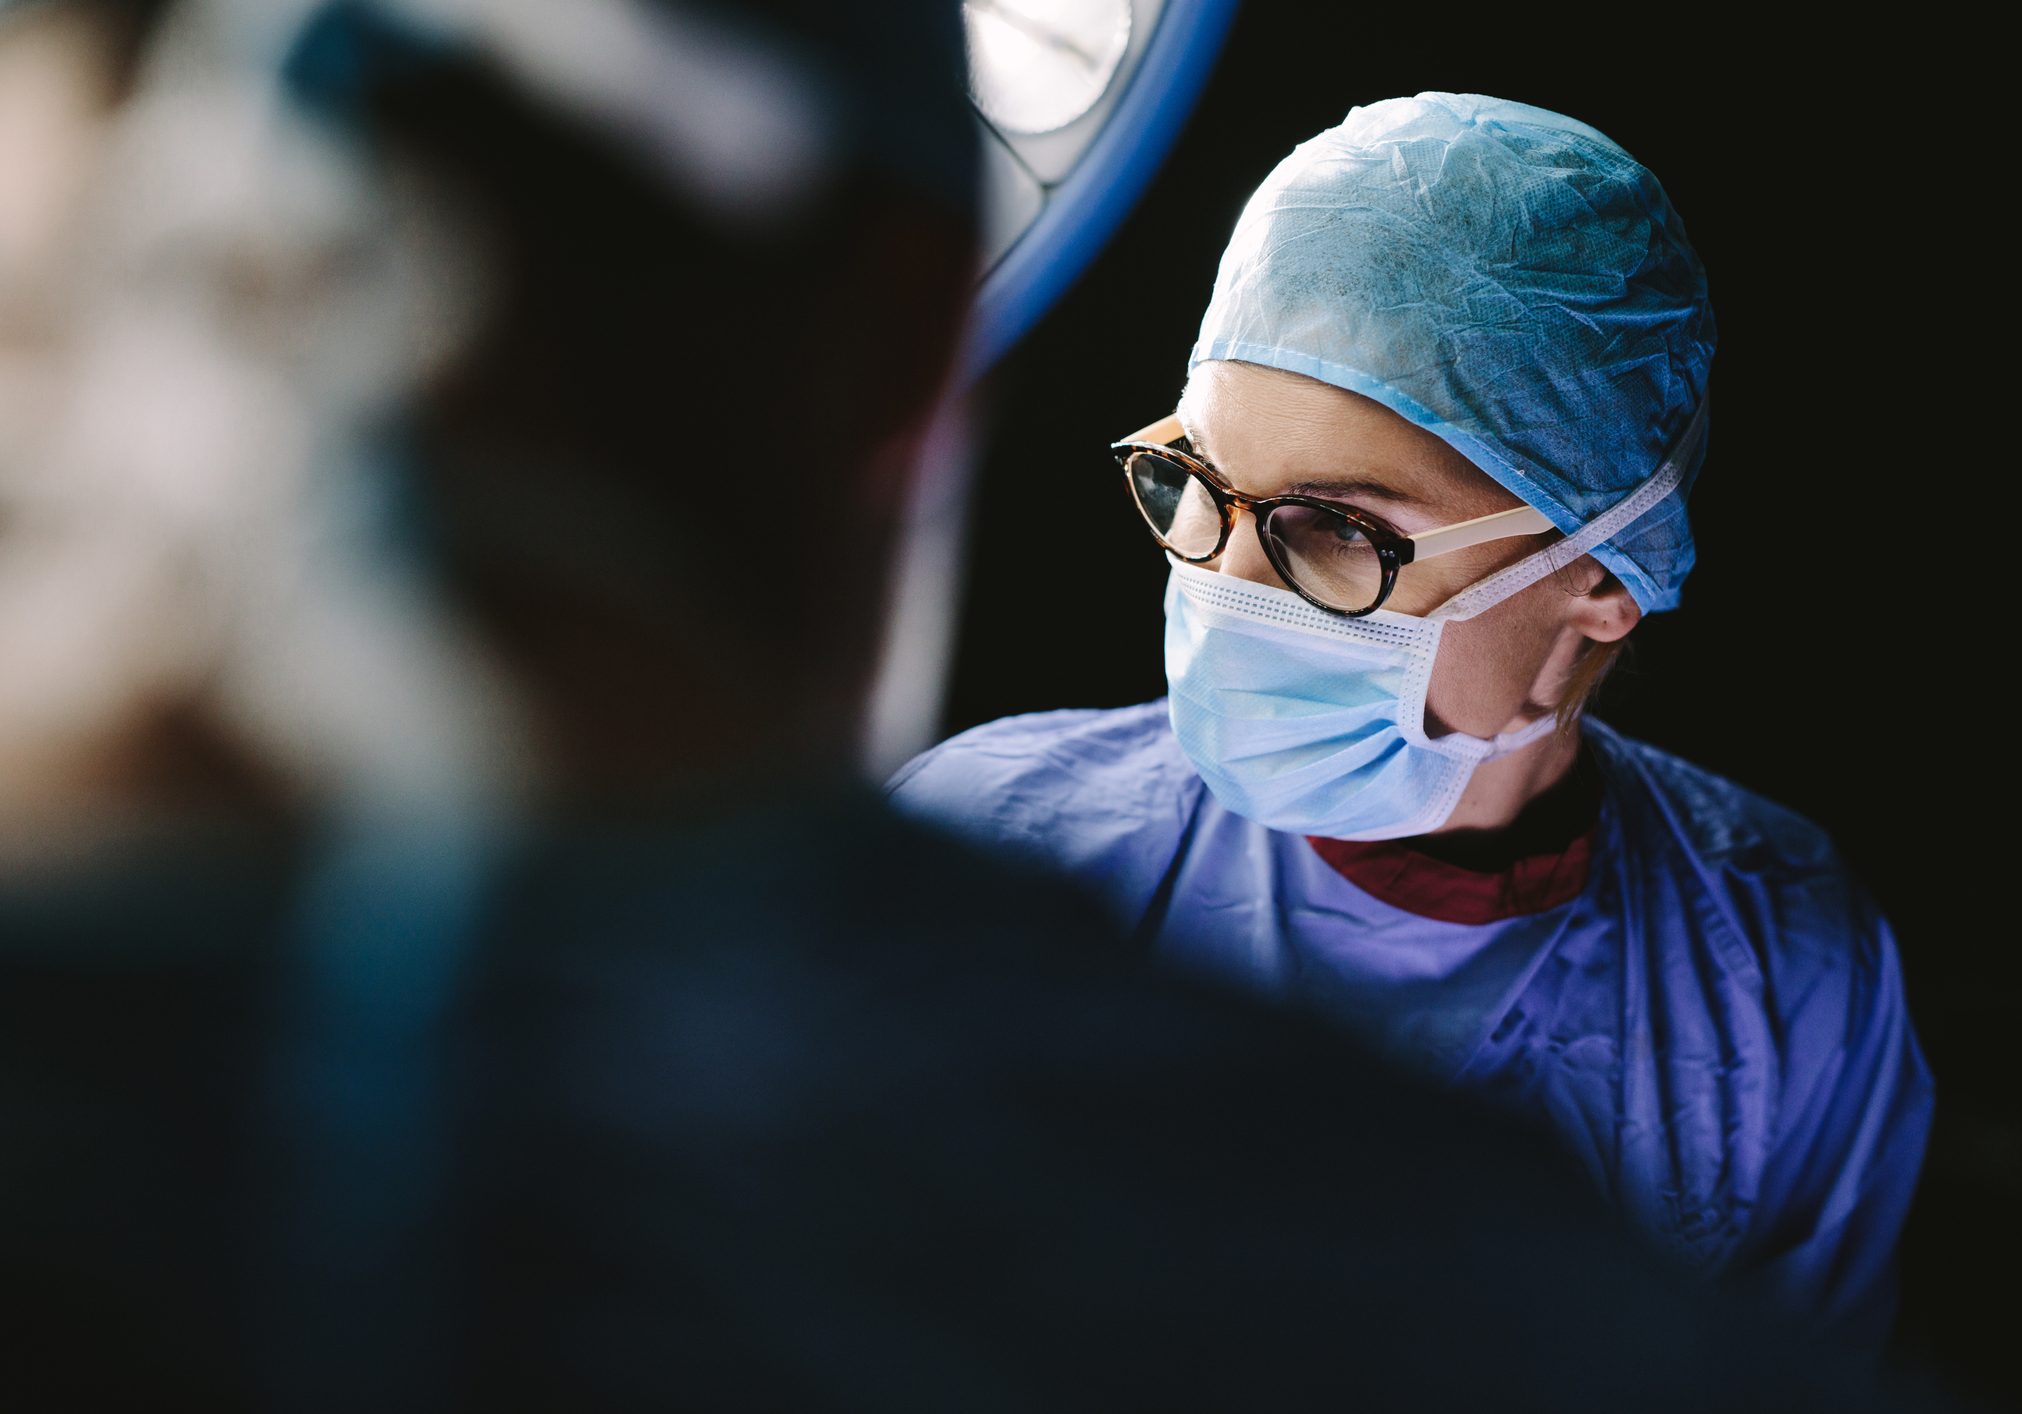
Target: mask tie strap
point(1528, 571)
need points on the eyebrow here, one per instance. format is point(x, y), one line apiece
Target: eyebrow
point(1356, 486)
point(1326, 486)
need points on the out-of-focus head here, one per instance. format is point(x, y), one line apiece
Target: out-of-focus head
point(1502, 276)
point(190, 616)
point(617, 320)
point(729, 250)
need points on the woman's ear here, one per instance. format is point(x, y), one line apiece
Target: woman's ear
point(1604, 610)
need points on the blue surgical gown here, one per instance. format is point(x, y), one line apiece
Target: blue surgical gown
point(1716, 1025)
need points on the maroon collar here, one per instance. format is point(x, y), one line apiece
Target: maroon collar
point(1417, 883)
point(1539, 862)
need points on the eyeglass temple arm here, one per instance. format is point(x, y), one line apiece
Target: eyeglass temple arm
point(1165, 432)
point(1522, 520)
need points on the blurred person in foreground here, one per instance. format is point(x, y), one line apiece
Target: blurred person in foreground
point(551, 1019)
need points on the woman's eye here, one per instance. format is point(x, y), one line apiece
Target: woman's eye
point(1333, 537)
point(1346, 535)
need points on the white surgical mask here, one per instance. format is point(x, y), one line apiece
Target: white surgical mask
point(1314, 723)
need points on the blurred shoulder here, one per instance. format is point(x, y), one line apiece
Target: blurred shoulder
point(1062, 751)
point(1055, 781)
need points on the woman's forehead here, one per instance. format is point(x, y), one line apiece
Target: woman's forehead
point(1269, 432)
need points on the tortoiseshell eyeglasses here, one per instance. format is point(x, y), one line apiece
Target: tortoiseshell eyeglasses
point(1333, 556)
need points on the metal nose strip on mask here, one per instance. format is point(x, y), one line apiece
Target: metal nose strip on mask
point(1625, 512)
point(1215, 590)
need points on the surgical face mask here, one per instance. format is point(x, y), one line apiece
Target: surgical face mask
point(1314, 723)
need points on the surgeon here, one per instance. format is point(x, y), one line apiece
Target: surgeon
point(1429, 470)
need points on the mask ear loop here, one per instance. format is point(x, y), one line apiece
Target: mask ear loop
point(1477, 598)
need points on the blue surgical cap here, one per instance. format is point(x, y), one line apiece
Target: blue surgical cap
point(1504, 277)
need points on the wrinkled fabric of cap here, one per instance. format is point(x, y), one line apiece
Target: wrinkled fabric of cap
point(1506, 278)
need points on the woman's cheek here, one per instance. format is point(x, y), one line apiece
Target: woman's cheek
point(1485, 669)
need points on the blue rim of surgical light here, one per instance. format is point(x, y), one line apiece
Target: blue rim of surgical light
point(1083, 211)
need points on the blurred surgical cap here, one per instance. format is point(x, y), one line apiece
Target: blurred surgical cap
point(1504, 277)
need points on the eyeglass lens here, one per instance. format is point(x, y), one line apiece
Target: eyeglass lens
point(1326, 555)
point(1176, 504)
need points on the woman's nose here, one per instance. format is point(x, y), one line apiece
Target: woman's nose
point(1244, 555)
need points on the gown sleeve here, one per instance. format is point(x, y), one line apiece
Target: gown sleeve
point(1839, 1180)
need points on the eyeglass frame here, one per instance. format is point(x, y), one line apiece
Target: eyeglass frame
point(1393, 551)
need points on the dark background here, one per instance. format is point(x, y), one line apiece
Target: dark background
point(1827, 652)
